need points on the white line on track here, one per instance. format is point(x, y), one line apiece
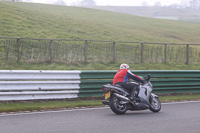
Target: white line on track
point(183, 102)
point(59, 111)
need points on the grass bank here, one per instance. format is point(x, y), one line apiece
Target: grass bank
point(58, 105)
point(95, 66)
point(30, 20)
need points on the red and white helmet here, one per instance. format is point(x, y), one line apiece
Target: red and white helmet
point(124, 66)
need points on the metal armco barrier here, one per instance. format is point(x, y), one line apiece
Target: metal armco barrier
point(35, 84)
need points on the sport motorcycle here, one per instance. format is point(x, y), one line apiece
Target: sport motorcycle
point(118, 98)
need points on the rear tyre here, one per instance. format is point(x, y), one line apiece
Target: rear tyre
point(155, 105)
point(116, 107)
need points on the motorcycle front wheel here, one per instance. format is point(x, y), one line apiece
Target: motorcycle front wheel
point(116, 107)
point(155, 105)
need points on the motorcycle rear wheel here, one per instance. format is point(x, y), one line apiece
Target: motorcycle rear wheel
point(155, 105)
point(116, 107)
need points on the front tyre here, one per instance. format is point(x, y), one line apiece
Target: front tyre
point(116, 107)
point(155, 105)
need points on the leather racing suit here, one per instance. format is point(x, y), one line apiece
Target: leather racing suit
point(122, 77)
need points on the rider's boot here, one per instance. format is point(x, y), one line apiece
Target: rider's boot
point(133, 97)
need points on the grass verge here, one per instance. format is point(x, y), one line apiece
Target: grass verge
point(48, 105)
point(96, 66)
point(58, 105)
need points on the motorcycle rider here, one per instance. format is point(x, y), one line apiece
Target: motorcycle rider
point(122, 77)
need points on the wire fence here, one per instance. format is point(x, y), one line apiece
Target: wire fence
point(29, 50)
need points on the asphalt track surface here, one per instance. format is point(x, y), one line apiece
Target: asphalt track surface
point(182, 117)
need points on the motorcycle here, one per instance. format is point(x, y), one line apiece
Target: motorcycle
point(118, 98)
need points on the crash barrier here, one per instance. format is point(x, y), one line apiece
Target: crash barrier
point(35, 84)
point(163, 81)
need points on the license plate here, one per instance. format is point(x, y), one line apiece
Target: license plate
point(107, 95)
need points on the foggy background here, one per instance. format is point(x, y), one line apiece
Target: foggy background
point(184, 10)
point(194, 4)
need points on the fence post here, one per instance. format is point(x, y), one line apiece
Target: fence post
point(114, 52)
point(51, 51)
point(188, 54)
point(165, 52)
point(7, 51)
point(142, 52)
point(85, 50)
point(18, 50)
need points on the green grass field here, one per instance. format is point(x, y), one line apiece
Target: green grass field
point(95, 66)
point(19, 19)
point(29, 20)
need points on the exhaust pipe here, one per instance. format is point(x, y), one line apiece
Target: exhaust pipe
point(124, 98)
point(121, 97)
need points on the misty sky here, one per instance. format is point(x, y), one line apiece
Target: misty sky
point(115, 2)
